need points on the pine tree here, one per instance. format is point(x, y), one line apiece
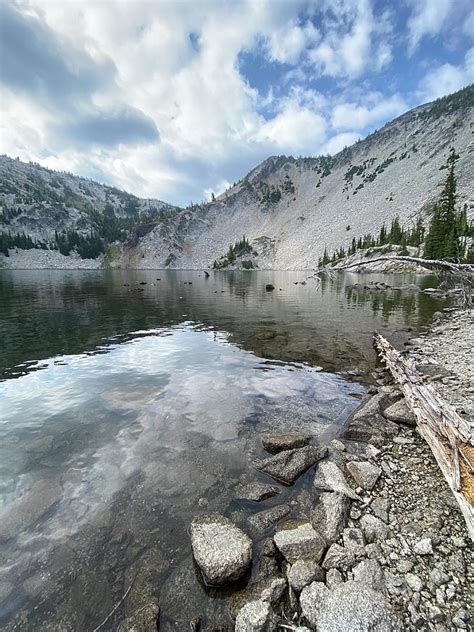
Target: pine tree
point(442, 241)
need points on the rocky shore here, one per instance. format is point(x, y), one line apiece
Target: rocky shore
point(376, 542)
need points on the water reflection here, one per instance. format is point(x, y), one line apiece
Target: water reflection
point(130, 403)
point(49, 313)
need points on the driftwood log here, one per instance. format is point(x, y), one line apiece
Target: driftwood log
point(438, 263)
point(449, 435)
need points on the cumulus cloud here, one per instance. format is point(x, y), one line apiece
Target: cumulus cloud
point(354, 116)
point(153, 97)
point(447, 78)
point(427, 18)
point(38, 63)
point(353, 43)
point(110, 128)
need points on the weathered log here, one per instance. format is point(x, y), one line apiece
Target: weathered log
point(448, 435)
point(439, 263)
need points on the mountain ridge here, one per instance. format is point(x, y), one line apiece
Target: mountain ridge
point(290, 208)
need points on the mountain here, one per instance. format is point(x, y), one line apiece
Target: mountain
point(288, 208)
point(50, 208)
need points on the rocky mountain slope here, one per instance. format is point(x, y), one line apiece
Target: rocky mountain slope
point(289, 209)
point(40, 202)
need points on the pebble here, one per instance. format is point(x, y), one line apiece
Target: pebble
point(424, 547)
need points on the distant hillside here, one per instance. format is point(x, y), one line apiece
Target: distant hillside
point(48, 209)
point(288, 209)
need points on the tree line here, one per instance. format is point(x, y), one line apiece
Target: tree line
point(446, 238)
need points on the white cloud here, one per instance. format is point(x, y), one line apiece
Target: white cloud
point(355, 116)
point(358, 41)
point(177, 66)
point(428, 18)
point(287, 45)
point(295, 127)
point(338, 142)
point(447, 78)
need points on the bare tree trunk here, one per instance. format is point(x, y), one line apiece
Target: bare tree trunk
point(447, 265)
point(447, 433)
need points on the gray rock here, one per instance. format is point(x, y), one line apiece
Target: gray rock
point(380, 508)
point(373, 528)
point(330, 477)
point(333, 578)
point(288, 465)
point(364, 473)
point(349, 607)
point(222, 551)
point(404, 566)
point(330, 515)
point(270, 590)
point(367, 422)
point(145, 619)
point(399, 412)
point(297, 539)
point(256, 616)
point(338, 557)
point(338, 445)
point(414, 582)
point(370, 573)
point(277, 442)
point(256, 491)
point(438, 577)
point(262, 520)
point(304, 572)
point(27, 509)
point(354, 542)
point(312, 599)
point(424, 546)
point(371, 452)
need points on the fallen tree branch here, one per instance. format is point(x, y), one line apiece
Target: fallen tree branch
point(439, 263)
point(448, 435)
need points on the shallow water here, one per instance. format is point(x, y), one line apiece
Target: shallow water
point(132, 400)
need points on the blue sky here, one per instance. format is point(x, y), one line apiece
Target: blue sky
point(177, 99)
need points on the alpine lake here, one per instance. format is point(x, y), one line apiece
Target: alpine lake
point(131, 401)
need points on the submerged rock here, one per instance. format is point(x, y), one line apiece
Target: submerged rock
point(350, 606)
point(277, 442)
point(330, 515)
point(289, 464)
point(297, 539)
point(146, 619)
point(27, 509)
point(330, 477)
point(222, 551)
point(256, 491)
point(262, 520)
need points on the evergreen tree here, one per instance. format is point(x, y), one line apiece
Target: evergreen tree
point(396, 232)
point(442, 241)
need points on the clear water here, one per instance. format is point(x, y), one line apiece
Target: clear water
point(128, 404)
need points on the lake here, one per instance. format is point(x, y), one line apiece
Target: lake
point(132, 400)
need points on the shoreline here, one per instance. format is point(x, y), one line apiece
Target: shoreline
point(380, 540)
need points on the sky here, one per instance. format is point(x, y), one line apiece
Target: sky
point(177, 100)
